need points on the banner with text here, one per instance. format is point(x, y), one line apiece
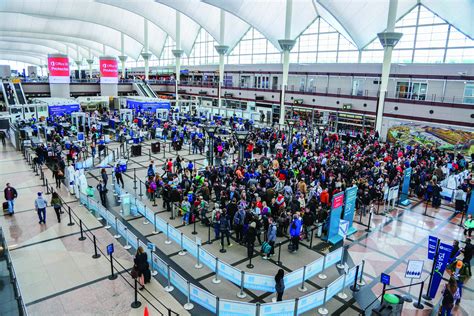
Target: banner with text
point(58, 67)
point(335, 217)
point(108, 70)
point(349, 208)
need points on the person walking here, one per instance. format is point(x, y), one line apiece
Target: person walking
point(10, 196)
point(271, 237)
point(118, 176)
point(280, 284)
point(105, 177)
point(40, 206)
point(56, 204)
point(460, 200)
point(102, 189)
point(468, 225)
point(141, 266)
point(58, 176)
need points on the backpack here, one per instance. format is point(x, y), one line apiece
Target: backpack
point(237, 219)
point(151, 173)
point(218, 216)
point(153, 185)
point(266, 247)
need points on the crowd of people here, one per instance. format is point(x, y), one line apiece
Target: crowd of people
point(282, 186)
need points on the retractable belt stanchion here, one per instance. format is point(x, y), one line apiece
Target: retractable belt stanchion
point(82, 232)
point(136, 303)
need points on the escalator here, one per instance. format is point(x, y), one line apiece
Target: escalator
point(149, 90)
point(20, 95)
point(139, 88)
point(8, 93)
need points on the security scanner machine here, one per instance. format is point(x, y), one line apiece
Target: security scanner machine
point(78, 119)
point(162, 114)
point(126, 115)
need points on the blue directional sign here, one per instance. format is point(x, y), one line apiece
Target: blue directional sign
point(385, 279)
point(432, 244)
point(110, 249)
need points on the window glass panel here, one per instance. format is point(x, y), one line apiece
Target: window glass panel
point(345, 44)
point(374, 56)
point(245, 59)
point(293, 57)
point(273, 58)
point(460, 55)
point(307, 57)
point(259, 59)
point(260, 46)
point(348, 57)
point(402, 56)
point(308, 43)
point(432, 36)
point(429, 56)
point(409, 19)
point(458, 39)
point(428, 17)
point(328, 42)
point(408, 38)
point(327, 57)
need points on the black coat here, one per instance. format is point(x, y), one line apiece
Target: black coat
point(141, 263)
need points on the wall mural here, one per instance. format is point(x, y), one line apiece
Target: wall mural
point(442, 137)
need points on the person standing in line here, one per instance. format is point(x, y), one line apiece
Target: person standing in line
point(56, 203)
point(250, 238)
point(105, 177)
point(460, 200)
point(271, 237)
point(10, 195)
point(447, 303)
point(40, 206)
point(295, 230)
point(2, 138)
point(280, 284)
point(458, 270)
point(467, 252)
point(224, 227)
point(141, 266)
point(102, 192)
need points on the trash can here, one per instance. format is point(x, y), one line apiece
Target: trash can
point(155, 147)
point(392, 305)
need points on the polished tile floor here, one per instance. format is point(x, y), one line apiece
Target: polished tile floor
point(63, 278)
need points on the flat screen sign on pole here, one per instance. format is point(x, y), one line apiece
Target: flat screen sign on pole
point(110, 249)
point(432, 244)
point(385, 279)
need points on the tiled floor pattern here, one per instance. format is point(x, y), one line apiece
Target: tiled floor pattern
point(395, 238)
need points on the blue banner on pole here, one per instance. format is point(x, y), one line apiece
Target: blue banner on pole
point(432, 243)
point(335, 217)
point(148, 106)
point(54, 110)
point(405, 187)
point(441, 263)
point(349, 208)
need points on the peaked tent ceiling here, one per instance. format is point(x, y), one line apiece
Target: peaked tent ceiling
point(91, 23)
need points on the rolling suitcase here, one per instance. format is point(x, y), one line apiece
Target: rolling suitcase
point(5, 207)
point(136, 150)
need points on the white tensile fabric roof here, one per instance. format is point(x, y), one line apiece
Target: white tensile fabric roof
point(97, 25)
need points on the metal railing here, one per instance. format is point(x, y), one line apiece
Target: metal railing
point(16, 287)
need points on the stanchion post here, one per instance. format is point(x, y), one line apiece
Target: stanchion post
point(418, 303)
point(168, 287)
point(117, 235)
point(370, 220)
point(341, 263)
point(167, 241)
point(112, 276)
point(279, 254)
point(361, 281)
point(323, 310)
point(188, 306)
point(182, 252)
point(323, 276)
point(136, 303)
point(127, 245)
point(95, 255)
point(194, 227)
point(135, 180)
point(198, 264)
point(241, 293)
point(343, 294)
point(82, 231)
point(250, 265)
point(209, 241)
point(145, 221)
point(141, 192)
point(462, 218)
point(70, 216)
point(155, 229)
point(303, 288)
point(312, 237)
point(216, 280)
point(354, 286)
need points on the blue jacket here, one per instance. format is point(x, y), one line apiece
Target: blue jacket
point(296, 228)
point(272, 232)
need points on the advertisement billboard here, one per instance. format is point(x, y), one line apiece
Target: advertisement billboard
point(108, 70)
point(58, 67)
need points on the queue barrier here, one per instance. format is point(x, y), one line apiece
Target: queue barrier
point(251, 281)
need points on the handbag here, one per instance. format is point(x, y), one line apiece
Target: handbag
point(134, 272)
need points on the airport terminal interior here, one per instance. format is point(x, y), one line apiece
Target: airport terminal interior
point(236, 157)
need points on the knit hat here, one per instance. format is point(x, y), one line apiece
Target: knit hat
point(253, 224)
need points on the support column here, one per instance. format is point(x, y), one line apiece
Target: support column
point(90, 61)
point(122, 57)
point(146, 55)
point(286, 45)
point(177, 53)
point(78, 64)
point(388, 39)
point(221, 50)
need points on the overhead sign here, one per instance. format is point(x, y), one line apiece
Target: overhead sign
point(414, 269)
point(110, 249)
point(108, 70)
point(58, 67)
point(385, 279)
point(432, 243)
